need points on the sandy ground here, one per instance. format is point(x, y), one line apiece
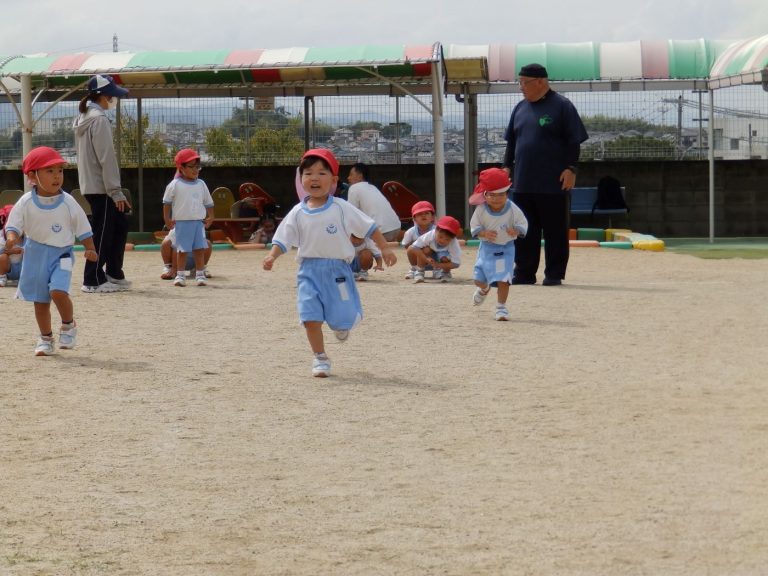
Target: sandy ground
point(618, 425)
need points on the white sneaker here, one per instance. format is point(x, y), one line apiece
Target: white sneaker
point(205, 271)
point(502, 313)
point(179, 280)
point(321, 366)
point(341, 335)
point(446, 277)
point(418, 277)
point(101, 288)
point(123, 284)
point(479, 296)
point(3, 281)
point(362, 276)
point(44, 347)
point(437, 274)
point(201, 279)
point(67, 338)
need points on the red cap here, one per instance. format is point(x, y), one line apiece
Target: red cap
point(491, 180)
point(184, 156)
point(326, 155)
point(450, 224)
point(422, 206)
point(41, 157)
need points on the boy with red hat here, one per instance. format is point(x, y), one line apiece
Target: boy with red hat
point(438, 248)
point(51, 220)
point(321, 226)
point(187, 197)
point(497, 221)
point(423, 214)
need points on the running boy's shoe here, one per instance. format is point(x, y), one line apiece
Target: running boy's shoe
point(321, 366)
point(502, 313)
point(44, 347)
point(67, 338)
point(479, 296)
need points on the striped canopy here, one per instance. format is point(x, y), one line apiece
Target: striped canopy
point(376, 69)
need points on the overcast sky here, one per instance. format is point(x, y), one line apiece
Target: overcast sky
point(36, 26)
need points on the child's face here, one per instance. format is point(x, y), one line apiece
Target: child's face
point(496, 200)
point(48, 180)
point(442, 237)
point(191, 170)
point(317, 180)
point(424, 219)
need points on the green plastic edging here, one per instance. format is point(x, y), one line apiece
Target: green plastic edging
point(472, 242)
point(620, 245)
point(147, 247)
point(226, 246)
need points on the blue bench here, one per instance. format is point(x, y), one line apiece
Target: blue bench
point(583, 200)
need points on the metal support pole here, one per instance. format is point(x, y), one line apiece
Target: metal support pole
point(26, 119)
point(140, 160)
point(437, 132)
point(711, 148)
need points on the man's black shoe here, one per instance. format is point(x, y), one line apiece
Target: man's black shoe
point(520, 280)
point(551, 282)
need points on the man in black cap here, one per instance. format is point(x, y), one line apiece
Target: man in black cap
point(544, 139)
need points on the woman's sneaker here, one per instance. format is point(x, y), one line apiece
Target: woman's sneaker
point(67, 338)
point(44, 346)
point(321, 366)
point(101, 288)
point(121, 282)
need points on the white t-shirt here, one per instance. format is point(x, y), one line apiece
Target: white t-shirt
point(412, 234)
point(430, 240)
point(370, 200)
point(508, 217)
point(188, 199)
point(368, 244)
point(323, 232)
point(51, 220)
point(14, 258)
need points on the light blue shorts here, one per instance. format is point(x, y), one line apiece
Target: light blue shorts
point(43, 270)
point(494, 263)
point(190, 235)
point(327, 292)
point(14, 272)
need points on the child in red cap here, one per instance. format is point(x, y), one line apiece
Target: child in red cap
point(51, 220)
point(423, 214)
point(438, 248)
point(497, 221)
point(320, 226)
point(187, 197)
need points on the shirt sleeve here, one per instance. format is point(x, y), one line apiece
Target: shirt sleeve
point(286, 235)
point(518, 220)
point(455, 251)
point(475, 226)
point(207, 198)
point(170, 191)
point(16, 218)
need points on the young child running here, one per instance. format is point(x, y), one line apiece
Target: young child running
point(439, 249)
point(423, 214)
point(497, 221)
point(320, 227)
point(51, 220)
point(189, 200)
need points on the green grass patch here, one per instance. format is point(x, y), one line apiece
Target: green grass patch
point(721, 248)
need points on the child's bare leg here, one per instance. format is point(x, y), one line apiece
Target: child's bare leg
point(43, 317)
point(502, 291)
point(64, 305)
point(315, 336)
point(366, 259)
point(199, 256)
point(5, 264)
point(481, 285)
point(421, 257)
point(181, 261)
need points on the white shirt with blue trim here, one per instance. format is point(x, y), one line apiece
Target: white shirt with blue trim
point(51, 220)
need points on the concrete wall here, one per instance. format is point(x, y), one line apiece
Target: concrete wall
point(666, 199)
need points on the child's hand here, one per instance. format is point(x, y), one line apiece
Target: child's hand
point(91, 255)
point(268, 262)
point(388, 255)
point(489, 234)
point(207, 222)
point(444, 259)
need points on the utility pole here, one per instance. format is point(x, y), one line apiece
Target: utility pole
point(114, 42)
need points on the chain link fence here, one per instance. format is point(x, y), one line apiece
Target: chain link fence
point(663, 125)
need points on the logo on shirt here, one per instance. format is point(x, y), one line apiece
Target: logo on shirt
point(545, 120)
point(56, 228)
point(331, 229)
